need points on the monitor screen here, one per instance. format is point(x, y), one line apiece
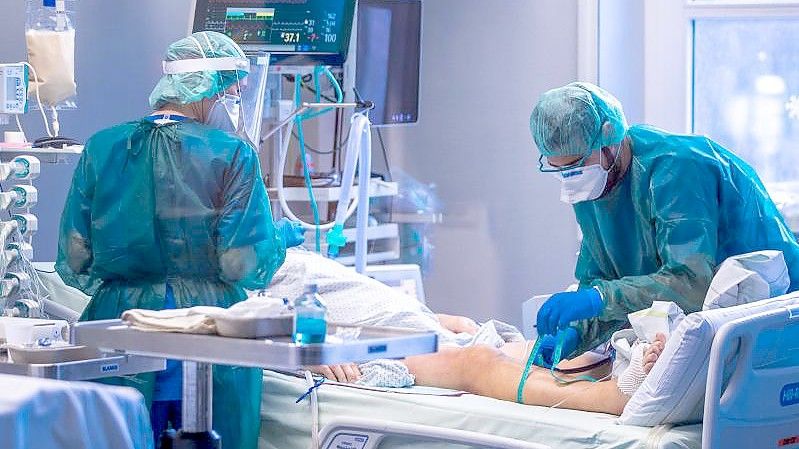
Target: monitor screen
point(388, 58)
point(300, 31)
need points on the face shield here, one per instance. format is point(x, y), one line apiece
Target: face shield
point(238, 109)
point(252, 101)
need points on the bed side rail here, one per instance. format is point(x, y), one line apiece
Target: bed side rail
point(759, 407)
point(368, 433)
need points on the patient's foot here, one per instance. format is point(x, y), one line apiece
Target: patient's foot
point(644, 356)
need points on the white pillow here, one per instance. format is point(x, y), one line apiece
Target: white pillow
point(674, 391)
point(747, 278)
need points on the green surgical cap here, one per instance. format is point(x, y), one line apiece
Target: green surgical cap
point(185, 88)
point(576, 119)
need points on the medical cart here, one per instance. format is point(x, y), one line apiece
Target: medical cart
point(344, 344)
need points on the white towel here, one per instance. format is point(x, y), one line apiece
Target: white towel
point(194, 320)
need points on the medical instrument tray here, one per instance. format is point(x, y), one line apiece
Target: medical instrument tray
point(50, 355)
point(109, 365)
point(344, 344)
point(238, 327)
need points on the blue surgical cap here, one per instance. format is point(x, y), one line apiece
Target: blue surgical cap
point(185, 88)
point(576, 119)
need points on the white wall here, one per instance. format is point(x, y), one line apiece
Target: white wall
point(621, 54)
point(506, 236)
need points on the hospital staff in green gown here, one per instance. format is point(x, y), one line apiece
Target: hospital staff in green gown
point(168, 209)
point(658, 212)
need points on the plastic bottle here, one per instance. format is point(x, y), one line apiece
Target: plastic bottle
point(310, 324)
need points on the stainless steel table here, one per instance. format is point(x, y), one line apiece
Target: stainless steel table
point(344, 344)
point(110, 365)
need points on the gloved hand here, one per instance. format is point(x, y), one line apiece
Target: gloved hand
point(563, 308)
point(293, 233)
point(571, 338)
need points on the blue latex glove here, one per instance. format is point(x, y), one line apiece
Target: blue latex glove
point(292, 231)
point(571, 338)
point(565, 307)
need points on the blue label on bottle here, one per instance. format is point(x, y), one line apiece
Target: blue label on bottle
point(49, 3)
point(789, 395)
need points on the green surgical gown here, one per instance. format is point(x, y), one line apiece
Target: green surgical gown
point(684, 206)
point(179, 203)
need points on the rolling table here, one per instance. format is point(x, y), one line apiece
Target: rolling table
point(110, 365)
point(344, 344)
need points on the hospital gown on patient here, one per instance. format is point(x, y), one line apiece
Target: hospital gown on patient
point(353, 298)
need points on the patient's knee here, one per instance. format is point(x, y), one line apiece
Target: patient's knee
point(480, 354)
point(475, 363)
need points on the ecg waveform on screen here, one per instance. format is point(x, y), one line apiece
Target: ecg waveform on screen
point(248, 24)
point(315, 30)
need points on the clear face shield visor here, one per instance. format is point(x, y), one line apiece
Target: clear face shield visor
point(239, 109)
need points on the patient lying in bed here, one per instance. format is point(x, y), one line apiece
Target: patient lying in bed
point(487, 360)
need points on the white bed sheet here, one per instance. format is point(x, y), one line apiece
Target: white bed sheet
point(287, 425)
point(41, 413)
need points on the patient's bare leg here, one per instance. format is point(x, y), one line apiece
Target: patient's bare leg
point(489, 372)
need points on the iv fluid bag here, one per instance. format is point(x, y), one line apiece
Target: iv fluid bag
point(50, 39)
point(52, 54)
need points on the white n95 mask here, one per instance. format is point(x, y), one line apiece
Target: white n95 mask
point(582, 184)
point(225, 114)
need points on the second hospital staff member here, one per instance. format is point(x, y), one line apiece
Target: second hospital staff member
point(658, 213)
point(170, 212)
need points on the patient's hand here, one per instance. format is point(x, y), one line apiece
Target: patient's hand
point(347, 373)
point(458, 324)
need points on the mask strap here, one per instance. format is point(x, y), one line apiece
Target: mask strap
point(242, 119)
point(614, 171)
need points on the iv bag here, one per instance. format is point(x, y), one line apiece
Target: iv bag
point(50, 39)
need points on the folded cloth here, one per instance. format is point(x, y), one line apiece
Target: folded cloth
point(193, 320)
point(258, 307)
point(385, 373)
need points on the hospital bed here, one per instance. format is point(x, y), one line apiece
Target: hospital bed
point(758, 408)
point(287, 425)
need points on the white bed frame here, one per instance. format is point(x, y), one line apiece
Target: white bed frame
point(368, 433)
point(758, 409)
